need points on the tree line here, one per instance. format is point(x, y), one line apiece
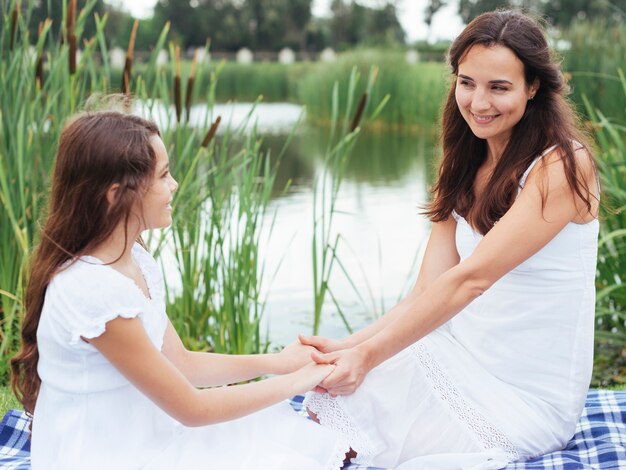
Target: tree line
point(270, 25)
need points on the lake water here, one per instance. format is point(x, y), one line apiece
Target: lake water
point(378, 219)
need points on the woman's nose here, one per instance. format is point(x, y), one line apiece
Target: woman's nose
point(480, 100)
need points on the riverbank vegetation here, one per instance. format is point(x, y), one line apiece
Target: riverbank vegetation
point(226, 183)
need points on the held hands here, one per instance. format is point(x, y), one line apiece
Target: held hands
point(351, 368)
point(309, 377)
point(294, 356)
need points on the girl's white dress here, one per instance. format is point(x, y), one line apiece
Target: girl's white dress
point(88, 416)
point(505, 379)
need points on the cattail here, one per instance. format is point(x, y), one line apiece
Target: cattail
point(16, 11)
point(39, 62)
point(70, 32)
point(359, 112)
point(177, 97)
point(190, 81)
point(128, 64)
point(211, 132)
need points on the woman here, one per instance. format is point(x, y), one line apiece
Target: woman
point(489, 358)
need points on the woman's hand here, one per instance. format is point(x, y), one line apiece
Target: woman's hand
point(320, 343)
point(352, 365)
point(293, 357)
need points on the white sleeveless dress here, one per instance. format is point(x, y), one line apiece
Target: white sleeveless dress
point(503, 380)
point(88, 416)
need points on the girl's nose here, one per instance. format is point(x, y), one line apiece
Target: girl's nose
point(173, 185)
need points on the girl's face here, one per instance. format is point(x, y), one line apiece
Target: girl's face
point(491, 92)
point(156, 204)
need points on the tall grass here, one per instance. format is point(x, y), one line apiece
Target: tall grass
point(344, 131)
point(220, 205)
point(595, 55)
point(416, 91)
point(611, 276)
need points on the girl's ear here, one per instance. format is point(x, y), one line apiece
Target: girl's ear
point(112, 192)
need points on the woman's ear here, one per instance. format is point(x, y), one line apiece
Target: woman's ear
point(112, 193)
point(532, 89)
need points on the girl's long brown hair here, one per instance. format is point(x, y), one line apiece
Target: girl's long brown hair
point(96, 150)
point(549, 120)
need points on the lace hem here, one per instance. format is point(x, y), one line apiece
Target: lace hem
point(335, 461)
point(332, 415)
point(486, 432)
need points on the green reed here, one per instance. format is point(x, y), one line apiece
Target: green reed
point(611, 274)
point(345, 128)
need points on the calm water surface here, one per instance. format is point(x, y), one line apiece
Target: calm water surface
point(382, 233)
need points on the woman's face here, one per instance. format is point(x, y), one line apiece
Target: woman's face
point(156, 204)
point(491, 92)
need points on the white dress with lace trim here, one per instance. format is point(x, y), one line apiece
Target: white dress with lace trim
point(505, 379)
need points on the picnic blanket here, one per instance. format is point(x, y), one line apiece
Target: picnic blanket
point(599, 442)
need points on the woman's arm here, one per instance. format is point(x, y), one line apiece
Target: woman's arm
point(127, 346)
point(439, 257)
point(527, 227)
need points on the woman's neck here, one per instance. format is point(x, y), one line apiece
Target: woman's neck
point(495, 149)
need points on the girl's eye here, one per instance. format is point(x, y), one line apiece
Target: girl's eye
point(499, 88)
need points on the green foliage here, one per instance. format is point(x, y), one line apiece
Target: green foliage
point(416, 92)
point(593, 59)
point(611, 275)
point(8, 401)
point(557, 12)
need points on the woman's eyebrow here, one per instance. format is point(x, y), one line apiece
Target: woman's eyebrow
point(498, 81)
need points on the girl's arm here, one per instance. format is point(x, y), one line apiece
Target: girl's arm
point(527, 227)
point(208, 369)
point(439, 257)
point(127, 346)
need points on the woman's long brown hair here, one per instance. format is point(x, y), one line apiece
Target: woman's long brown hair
point(549, 120)
point(96, 150)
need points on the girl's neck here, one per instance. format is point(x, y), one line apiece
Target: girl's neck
point(117, 248)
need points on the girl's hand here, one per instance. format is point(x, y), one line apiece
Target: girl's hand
point(308, 377)
point(320, 343)
point(293, 357)
point(352, 367)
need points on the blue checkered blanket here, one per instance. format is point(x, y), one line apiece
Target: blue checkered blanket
point(599, 442)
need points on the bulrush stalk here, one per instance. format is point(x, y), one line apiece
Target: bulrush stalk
point(71, 35)
point(16, 11)
point(211, 132)
point(39, 63)
point(177, 97)
point(359, 112)
point(190, 81)
point(128, 64)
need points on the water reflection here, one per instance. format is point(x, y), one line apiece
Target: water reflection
point(382, 233)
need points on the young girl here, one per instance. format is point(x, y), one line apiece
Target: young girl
point(488, 359)
point(102, 370)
